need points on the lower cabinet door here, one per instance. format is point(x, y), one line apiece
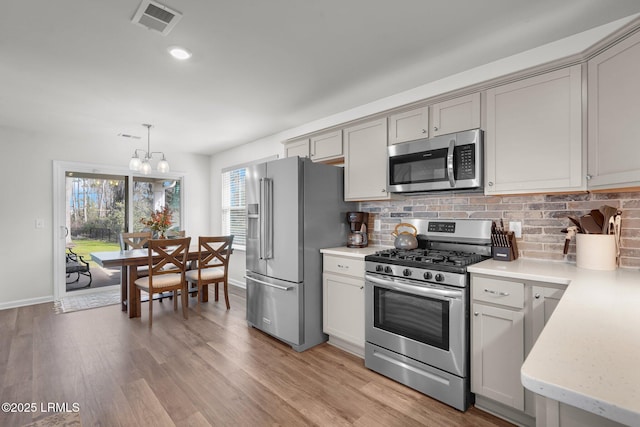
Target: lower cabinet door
point(497, 345)
point(343, 306)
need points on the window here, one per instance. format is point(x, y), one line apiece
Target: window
point(234, 213)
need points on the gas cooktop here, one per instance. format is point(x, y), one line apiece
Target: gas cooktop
point(434, 259)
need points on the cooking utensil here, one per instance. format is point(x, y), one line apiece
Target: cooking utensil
point(576, 222)
point(405, 239)
point(607, 213)
point(598, 217)
point(571, 231)
point(616, 231)
point(589, 225)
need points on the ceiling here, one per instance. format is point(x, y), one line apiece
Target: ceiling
point(82, 69)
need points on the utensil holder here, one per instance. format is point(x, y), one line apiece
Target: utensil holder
point(504, 246)
point(596, 251)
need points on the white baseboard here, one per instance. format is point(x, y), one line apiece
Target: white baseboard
point(237, 283)
point(25, 302)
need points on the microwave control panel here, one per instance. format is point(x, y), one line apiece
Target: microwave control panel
point(465, 160)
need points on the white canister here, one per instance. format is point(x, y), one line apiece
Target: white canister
point(596, 251)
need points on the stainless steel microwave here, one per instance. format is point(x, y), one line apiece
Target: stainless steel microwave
point(446, 162)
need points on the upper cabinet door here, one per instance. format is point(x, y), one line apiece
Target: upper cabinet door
point(298, 148)
point(326, 146)
point(409, 125)
point(614, 114)
point(455, 115)
point(365, 161)
point(533, 137)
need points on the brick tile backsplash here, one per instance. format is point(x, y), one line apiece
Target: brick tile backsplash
point(542, 217)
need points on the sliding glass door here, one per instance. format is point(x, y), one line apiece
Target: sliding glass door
point(93, 204)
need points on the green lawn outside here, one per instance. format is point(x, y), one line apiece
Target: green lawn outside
point(85, 247)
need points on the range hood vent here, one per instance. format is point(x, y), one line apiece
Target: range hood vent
point(155, 16)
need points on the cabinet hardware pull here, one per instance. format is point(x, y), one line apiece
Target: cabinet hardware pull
point(490, 183)
point(343, 266)
point(502, 294)
point(435, 129)
point(384, 190)
point(588, 177)
point(425, 131)
point(475, 313)
point(537, 296)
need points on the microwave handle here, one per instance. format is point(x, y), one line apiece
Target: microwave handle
point(452, 180)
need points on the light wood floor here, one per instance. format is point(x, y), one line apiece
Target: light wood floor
point(210, 370)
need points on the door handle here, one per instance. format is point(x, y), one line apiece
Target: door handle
point(452, 180)
point(262, 282)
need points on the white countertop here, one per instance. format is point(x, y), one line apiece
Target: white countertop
point(359, 253)
point(588, 354)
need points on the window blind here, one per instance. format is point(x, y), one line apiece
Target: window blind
point(234, 218)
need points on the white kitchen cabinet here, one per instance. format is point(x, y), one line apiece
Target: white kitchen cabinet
point(326, 146)
point(409, 125)
point(533, 135)
point(455, 115)
point(497, 340)
point(343, 302)
point(298, 148)
point(365, 161)
point(507, 317)
point(543, 302)
point(613, 107)
point(498, 336)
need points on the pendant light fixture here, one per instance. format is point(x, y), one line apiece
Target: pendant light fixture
point(144, 165)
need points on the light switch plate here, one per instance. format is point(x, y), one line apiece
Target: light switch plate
point(516, 227)
point(376, 225)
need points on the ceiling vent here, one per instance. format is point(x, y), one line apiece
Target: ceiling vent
point(155, 16)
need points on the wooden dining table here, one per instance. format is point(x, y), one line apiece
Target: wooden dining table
point(128, 261)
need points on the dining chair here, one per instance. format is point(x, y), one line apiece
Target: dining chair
point(212, 267)
point(135, 240)
point(167, 266)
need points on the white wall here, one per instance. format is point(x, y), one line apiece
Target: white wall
point(26, 162)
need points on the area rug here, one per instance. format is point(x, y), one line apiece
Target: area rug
point(87, 301)
point(62, 419)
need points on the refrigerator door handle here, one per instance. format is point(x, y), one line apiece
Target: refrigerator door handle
point(261, 221)
point(268, 219)
point(262, 282)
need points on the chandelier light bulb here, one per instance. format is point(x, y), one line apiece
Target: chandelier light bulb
point(145, 168)
point(163, 165)
point(135, 163)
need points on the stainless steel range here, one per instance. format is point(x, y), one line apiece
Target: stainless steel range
point(417, 308)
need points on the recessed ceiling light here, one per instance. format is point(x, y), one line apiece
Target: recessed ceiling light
point(179, 52)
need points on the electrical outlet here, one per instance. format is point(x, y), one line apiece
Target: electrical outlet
point(377, 226)
point(516, 227)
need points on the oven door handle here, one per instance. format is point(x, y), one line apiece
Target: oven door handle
point(397, 285)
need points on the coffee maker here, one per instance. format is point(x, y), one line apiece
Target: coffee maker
point(358, 229)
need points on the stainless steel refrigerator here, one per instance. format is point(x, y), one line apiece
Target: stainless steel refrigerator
point(294, 208)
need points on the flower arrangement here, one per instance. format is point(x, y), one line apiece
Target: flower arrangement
point(159, 222)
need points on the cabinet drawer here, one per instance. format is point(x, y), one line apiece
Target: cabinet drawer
point(349, 266)
point(498, 291)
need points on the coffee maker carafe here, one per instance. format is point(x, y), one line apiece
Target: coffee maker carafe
point(358, 229)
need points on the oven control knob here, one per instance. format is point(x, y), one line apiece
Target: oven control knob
point(428, 275)
point(439, 277)
point(388, 270)
point(379, 268)
point(406, 272)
